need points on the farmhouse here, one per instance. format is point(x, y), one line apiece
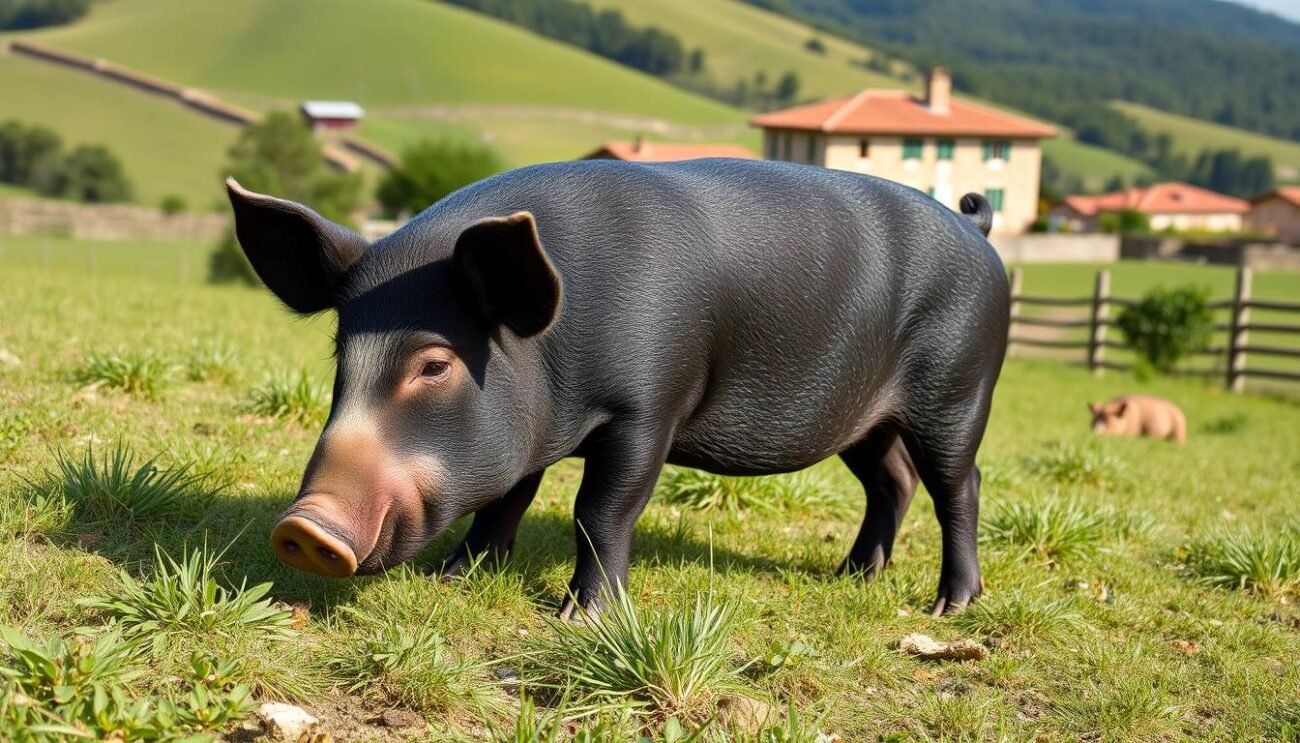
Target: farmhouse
point(1277, 214)
point(1168, 206)
point(936, 144)
point(326, 115)
point(643, 151)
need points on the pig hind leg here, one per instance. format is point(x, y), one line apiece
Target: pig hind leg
point(882, 464)
point(492, 533)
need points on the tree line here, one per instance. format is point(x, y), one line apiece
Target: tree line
point(23, 14)
point(33, 157)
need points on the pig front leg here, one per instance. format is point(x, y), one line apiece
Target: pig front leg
point(493, 530)
point(622, 466)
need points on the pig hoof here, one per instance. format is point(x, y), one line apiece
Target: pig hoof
point(953, 600)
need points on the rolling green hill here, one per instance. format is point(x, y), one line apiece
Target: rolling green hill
point(164, 148)
point(379, 53)
point(1193, 135)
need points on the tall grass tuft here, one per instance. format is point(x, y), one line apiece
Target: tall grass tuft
point(139, 373)
point(184, 598)
point(1054, 531)
point(673, 662)
point(1263, 563)
point(1019, 616)
point(211, 362)
point(1066, 463)
point(114, 487)
point(412, 667)
point(705, 491)
point(293, 396)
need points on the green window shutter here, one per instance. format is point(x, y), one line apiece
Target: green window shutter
point(943, 149)
point(930, 192)
point(995, 196)
point(988, 150)
point(1006, 151)
point(912, 149)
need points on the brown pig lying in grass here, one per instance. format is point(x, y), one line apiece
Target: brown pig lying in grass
point(1139, 415)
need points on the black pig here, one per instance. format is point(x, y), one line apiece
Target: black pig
point(741, 317)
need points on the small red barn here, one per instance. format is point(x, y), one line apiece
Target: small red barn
point(331, 114)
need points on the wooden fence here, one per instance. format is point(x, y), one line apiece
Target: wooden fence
point(1095, 317)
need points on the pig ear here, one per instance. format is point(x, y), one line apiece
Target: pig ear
point(509, 274)
point(1120, 408)
point(299, 255)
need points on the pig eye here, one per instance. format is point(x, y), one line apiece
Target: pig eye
point(435, 369)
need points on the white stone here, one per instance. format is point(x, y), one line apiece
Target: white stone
point(284, 722)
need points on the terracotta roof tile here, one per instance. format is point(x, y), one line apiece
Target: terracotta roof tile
point(1289, 194)
point(1159, 198)
point(642, 151)
point(897, 112)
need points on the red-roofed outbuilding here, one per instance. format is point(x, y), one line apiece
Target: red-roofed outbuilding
point(1178, 206)
point(644, 151)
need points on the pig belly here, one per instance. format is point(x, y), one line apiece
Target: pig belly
point(762, 437)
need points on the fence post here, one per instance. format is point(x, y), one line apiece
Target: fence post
point(1097, 322)
point(1237, 333)
point(1017, 278)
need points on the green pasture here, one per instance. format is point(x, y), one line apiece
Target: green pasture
point(1110, 612)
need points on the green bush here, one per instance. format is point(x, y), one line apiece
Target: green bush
point(432, 169)
point(93, 174)
point(1167, 326)
point(173, 204)
point(32, 156)
point(1124, 222)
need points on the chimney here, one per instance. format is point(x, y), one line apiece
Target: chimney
point(938, 89)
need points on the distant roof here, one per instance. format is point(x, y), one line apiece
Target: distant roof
point(332, 110)
point(1286, 193)
point(898, 112)
point(1159, 198)
point(643, 151)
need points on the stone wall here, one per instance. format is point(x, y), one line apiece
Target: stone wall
point(1228, 252)
point(1044, 248)
point(105, 221)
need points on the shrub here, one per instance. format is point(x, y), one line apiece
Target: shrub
point(114, 487)
point(91, 173)
point(1263, 563)
point(1127, 221)
point(815, 45)
point(173, 204)
point(673, 662)
point(1168, 325)
point(184, 598)
point(211, 362)
point(288, 395)
point(432, 169)
point(139, 373)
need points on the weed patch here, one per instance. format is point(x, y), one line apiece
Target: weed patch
point(1255, 561)
point(113, 487)
point(1019, 616)
point(293, 396)
point(1066, 463)
point(1053, 531)
point(705, 491)
point(141, 374)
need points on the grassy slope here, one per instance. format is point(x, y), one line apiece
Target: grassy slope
point(1118, 674)
point(164, 148)
point(1193, 135)
point(384, 52)
point(739, 38)
point(1095, 165)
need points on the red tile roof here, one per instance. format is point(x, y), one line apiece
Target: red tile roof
point(642, 151)
point(1286, 193)
point(898, 112)
point(1159, 198)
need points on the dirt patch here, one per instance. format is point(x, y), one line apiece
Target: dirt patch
point(347, 718)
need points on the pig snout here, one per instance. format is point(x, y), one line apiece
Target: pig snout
point(346, 519)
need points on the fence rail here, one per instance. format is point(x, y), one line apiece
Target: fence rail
point(1098, 322)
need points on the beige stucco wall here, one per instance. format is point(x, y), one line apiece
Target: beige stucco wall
point(1225, 222)
point(967, 172)
point(1276, 217)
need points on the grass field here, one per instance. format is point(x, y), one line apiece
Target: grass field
point(414, 51)
point(1099, 554)
point(1095, 165)
point(164, 148)
point(1193, 135)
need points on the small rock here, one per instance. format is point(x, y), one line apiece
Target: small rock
point(286, 723)
point(8, 358)
point(1186, 647)
point(923, 646)
point(745, 714)
point(399, 719)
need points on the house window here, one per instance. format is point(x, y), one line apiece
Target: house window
point(773, 146)
point(912, 149)
point(787, 147)
point(997, 150)
point(995, 197)
point(943, 149)
point(812, 149)
point(864, 148)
